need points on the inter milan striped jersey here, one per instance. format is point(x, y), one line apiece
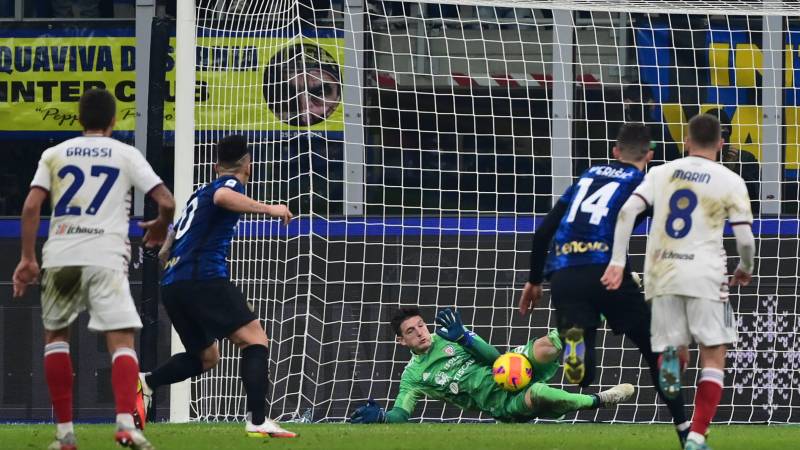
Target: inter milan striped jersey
point(203, 236)
point(586, 232)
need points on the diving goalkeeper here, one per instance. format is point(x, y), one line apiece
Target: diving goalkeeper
point(455, 365)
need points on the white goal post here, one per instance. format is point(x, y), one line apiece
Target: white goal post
point(419, 144)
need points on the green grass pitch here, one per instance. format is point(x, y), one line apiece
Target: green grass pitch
point(414, 437)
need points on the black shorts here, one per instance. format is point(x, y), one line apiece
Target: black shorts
point(579, 299)
point(205, 310)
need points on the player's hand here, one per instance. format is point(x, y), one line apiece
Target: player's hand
point(740, 278)
point(155, 232)
point(529, 298)
point(451, 327)
point(26, 273)
point(281, 212)
point(612, 278)
point(369, 413)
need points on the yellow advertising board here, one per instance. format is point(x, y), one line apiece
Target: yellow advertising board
point(44, 72)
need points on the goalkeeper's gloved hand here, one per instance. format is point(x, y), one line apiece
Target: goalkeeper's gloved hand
point(369, 413)
point(451, 327)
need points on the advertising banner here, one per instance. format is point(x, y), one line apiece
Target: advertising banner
point(253, 82)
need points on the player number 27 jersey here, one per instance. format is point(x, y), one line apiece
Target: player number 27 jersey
point(89, 179)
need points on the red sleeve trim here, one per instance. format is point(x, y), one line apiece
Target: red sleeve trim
point(36, 186)
point(733, 224)
point(643, 199)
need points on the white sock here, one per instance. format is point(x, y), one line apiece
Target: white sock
point(683, 426)
point(63, 428)
point(697, 437)
point(125, 421)
point(143, 379)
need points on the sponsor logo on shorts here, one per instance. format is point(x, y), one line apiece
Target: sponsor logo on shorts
point(581, 247)
point(669, 254)
point(174, 260)
point(66, 228)
point(454, 388)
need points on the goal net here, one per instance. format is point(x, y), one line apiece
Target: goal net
point(420, 143)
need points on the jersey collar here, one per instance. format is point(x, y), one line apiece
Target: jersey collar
point(617, 162)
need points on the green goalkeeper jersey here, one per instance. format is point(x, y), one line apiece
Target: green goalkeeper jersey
point(448, 372)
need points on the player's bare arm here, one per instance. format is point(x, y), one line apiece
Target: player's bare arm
point(27, 271)
point(745, 245)
point(163, 254)
point(635, 205)
point(233, 201)
point(156, 229)
point(532, 292)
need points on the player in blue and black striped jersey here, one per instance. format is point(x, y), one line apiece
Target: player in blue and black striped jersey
point(579, 234)
point(202, 303)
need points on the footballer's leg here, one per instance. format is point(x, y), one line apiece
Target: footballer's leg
point(573, 294)
point(669, 331)
point(124, 378)
point(713, 327)
point(58, 374)
point(184, 302)
point(254, 371)
point(62, 300)
point(543, 354)
point(549, 402)
point(627, 312)
point(675, 404)
point(113, 312)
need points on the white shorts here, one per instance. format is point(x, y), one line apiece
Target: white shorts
point(678, 319)
point(68, 290)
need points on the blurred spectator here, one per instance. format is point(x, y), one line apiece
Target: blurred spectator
point(314, 12)
point(742, 162)
point(80, 9)
point(6, 8)
point(76, 8)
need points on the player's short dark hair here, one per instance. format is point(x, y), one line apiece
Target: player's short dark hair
point(705, 130)
point(96, 109)
point(633, 140)
point(401, 316)
point(231, 149)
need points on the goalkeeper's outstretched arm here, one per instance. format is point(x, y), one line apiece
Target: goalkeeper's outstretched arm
point(452, 328)
point(400, 412)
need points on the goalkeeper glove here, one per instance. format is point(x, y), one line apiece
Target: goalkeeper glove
point(369, 413)
point(451, 327)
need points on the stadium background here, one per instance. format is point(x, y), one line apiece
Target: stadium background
point(22, 392)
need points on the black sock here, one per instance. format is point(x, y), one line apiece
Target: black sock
point(178, 368)
point(675, 405)
point(254, 370)
point(589, 335)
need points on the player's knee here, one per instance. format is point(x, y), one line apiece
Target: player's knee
point(544, 351)
point(210, 357)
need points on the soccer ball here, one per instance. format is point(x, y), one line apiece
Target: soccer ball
point(512, 371)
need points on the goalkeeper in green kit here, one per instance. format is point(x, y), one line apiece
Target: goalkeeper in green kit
point(455, 365)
